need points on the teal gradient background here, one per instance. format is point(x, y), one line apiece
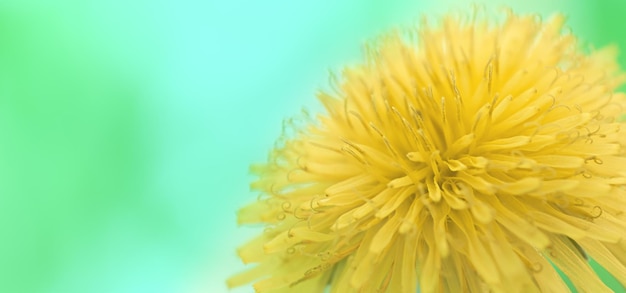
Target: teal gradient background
point(127, 126)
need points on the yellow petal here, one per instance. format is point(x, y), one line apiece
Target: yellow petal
point(564, 255)
point(605, 258)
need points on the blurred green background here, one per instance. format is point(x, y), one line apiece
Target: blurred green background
point(126, 126)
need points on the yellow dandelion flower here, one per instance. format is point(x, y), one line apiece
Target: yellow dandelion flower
point(460, 157)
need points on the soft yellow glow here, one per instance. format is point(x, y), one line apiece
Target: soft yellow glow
point(461, 157)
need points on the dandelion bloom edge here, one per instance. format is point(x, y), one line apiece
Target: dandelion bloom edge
point(460, 157)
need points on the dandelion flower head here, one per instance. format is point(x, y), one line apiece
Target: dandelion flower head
point(465, 156)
